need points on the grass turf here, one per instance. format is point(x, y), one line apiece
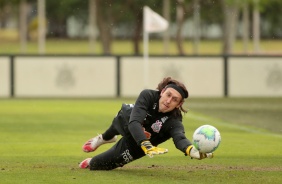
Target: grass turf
point(41, 143)
point(125, 47)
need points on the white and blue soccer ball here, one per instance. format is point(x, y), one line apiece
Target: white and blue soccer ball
point(206, 139)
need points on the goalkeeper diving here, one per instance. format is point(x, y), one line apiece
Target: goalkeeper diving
point(154, 118)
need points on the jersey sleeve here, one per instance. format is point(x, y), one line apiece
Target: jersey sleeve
point(138, 115)
point(178, 135)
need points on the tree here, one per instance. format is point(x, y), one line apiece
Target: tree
point(105, 24)
point(136, 10)
point(246, 26)
point(7, 7)
point(231, 13)
point(23, 25)
point(256, 26)
point(180, 11)
point(92, 17)
point(269, 10)
point(57, 13)
point(166, 15)
point(41, 26)
point(183, 10)
point(196, 29)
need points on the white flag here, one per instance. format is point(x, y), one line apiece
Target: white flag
point(153, 22)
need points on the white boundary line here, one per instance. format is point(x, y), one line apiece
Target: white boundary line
point(208, 120)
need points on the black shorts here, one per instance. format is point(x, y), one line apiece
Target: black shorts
point(123, 152)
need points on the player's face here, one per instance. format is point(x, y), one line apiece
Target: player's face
point(170, 99)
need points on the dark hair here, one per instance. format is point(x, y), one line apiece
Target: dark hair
point(168, 80)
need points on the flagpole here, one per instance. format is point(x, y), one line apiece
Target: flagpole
point(152, 22)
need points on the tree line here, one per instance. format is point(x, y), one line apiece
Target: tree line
point(249, 20)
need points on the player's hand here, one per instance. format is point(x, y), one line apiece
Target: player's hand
point(151, 150)
point(194, 153)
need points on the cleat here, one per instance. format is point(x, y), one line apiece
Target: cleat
point(94, 143)
point(85, 163)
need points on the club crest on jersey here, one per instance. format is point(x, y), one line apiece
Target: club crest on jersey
point(156, 127)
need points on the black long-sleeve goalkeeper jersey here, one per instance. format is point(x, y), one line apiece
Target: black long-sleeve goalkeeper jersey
point(162, 126)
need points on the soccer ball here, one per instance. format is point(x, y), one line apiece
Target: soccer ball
point(206, 139)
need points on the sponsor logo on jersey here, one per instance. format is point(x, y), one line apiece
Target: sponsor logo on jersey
point(147, 115)
point(164, 119)
point(155, 105)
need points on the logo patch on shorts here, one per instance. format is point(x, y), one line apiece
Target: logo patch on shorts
point(156, 127)
point(126, 156)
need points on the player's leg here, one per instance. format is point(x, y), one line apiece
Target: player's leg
point(109, 136)
point(93, 143)
point(117, 156)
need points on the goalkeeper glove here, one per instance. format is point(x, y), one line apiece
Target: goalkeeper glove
point(194, 153)
point(151, 150)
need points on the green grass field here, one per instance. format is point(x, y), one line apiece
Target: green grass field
point(120, 47)
point(41, 142)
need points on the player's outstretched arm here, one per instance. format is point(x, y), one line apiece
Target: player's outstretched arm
point(151, 150)
point(194, 153)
